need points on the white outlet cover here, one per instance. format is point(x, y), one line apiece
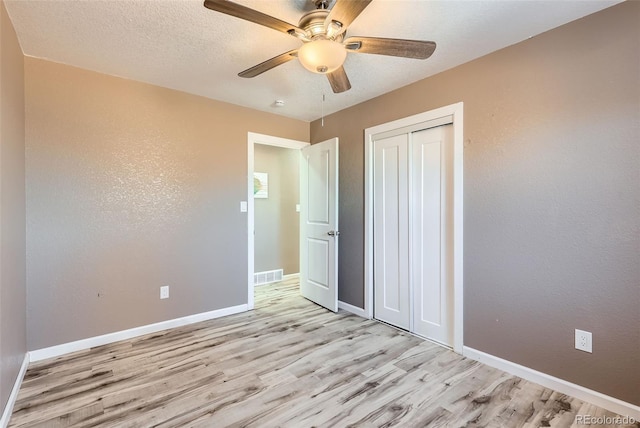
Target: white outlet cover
point(297, 208)
point(164, 292)
point(584, 341)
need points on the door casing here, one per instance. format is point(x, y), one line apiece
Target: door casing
point(456, 111)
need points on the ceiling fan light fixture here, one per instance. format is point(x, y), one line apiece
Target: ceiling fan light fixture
point(322, 56)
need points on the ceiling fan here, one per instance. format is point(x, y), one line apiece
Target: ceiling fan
point(322, 32)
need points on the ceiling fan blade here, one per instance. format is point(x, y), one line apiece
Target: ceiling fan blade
point(395, 47)
point(345, 12)
point(339, 80)
point(269, 64)
point(248, 14)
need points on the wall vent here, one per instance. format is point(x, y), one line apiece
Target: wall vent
point(267, 277)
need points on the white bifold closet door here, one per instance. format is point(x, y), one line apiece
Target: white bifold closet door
point(391, 231)
point(413, 251)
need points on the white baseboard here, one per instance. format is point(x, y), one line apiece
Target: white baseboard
point(353, 309)
point(289, 276)
point(79, 345)
point(580, 392)
point(8, 409)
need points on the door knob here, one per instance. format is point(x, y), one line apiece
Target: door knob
point(333, 233)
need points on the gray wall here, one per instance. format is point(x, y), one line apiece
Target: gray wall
point(129, 187)
point(13, 345)
point(277, 224)
point(551, 198)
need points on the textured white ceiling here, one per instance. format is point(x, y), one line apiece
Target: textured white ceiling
point(182, 45)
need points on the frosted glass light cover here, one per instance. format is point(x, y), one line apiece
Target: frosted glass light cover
point(322, 56)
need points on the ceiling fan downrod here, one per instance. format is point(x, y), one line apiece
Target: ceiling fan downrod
point(322, 4)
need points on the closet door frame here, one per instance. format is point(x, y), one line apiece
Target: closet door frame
point(456, 112)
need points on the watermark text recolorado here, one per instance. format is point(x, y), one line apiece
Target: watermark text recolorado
point(604, 420)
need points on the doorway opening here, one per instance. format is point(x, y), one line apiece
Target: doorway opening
point(263, 263)
point(400, 149)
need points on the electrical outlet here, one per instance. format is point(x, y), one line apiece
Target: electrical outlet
point(583, 341)
point(164, 292)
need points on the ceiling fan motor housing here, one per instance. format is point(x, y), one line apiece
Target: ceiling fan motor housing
point(313, 25)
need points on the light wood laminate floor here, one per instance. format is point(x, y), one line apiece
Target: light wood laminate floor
point(288, 363)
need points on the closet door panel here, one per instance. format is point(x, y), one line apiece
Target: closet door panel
point(391, 230)
point(431, 196)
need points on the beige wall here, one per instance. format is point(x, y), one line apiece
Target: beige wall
point(277, 224)
point(12, 209)
point(130, 187)
point(551, 199)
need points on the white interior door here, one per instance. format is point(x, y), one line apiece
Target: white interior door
point(319, 223)
point(391, 231)
point(432, 233)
